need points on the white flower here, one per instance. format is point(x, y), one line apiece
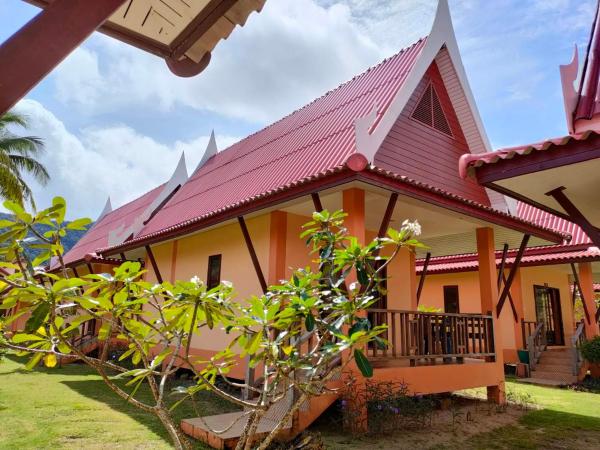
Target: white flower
point(196, 280)
point(413, 228)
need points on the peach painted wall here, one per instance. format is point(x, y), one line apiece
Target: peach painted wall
point(556, 279)
point(469, 298)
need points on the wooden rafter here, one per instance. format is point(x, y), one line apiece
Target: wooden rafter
point(317, 201)
point(502, 265)
point(512, 274)
point(577, 285)
point(90, 268)
point(159, 277)
point(575, 215)
point(387, 217)
point(252, 251)
point(423, 275)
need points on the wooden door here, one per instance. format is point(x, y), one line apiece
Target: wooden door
point(548, 311)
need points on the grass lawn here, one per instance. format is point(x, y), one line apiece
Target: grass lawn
point(70, 407)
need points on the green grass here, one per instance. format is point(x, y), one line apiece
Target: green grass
point(563, 419)
point(71, 407)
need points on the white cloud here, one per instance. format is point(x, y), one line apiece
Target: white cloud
point(293, 51)
point(87, 167)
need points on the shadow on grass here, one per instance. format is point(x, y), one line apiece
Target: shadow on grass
point(546, 428)
point(96, 389)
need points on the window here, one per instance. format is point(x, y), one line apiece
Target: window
point(429, 111)
point(214, 271)
point(451, 299)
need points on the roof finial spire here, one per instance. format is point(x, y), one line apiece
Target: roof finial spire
point(211, 150)
point(107, 208)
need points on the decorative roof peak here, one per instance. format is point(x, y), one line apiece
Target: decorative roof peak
point(582, 103)
point(107, 209)
point(211, 150)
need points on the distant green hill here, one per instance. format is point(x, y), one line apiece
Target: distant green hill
point(68, 241)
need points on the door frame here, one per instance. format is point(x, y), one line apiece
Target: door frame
point(556, 311)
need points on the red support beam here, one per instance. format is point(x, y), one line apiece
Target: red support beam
point(575, 215)
point(502, 265)
point(577, 285)
point(255, 262)
point(41, 44)
point(511, 301)
point(317, 201)
point(159, 277)
point(387, 217)
point(423, 275)
point(511, 275)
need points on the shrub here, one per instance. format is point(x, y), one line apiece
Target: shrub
point(590, 350)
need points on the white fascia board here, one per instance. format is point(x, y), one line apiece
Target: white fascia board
point(369, 140)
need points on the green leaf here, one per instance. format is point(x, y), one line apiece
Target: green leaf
point(34, 361)
point(363, 363)
point(24, 337)
point(38, 316)
point(309, 322)
point(104, 331)
point(79, 224)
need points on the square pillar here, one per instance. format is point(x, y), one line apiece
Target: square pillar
point(586, 279)
point(277, 247)
point(488, 286)
point(406, 271)
point(353, 202)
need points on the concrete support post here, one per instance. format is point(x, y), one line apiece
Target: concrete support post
point(354, 206)
point(488, 285)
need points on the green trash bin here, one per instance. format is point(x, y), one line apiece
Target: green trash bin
point(523, 356)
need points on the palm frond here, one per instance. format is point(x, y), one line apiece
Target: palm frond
point(13, 118)
point(23, 145)
point(31, 167)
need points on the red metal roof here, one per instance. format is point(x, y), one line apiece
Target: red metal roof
point(588, 103)
point(312, 140)
point(97, 235)
point(545, 219)
point(552, 255)
point(471, 161)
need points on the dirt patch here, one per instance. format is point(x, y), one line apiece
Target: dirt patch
point(449, 428)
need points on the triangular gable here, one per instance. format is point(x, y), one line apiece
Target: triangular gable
point(427, 140)
point(440, 47)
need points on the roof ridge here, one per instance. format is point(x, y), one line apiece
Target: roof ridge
point(139, 197)
point(369, 69)
point(387, 81)
point(255, 168)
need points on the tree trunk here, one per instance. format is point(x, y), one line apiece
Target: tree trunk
point(180, 441)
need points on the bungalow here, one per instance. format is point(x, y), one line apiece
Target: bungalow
point(383, 147)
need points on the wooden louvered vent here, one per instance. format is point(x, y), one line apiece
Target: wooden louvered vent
point(429, 111)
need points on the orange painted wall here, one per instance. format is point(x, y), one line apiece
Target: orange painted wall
point(468, 288)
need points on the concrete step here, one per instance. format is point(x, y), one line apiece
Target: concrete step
point(561, 368)
point(559, 377)
point(556, 359)
point(541, 382)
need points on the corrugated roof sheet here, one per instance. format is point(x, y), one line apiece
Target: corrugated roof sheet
point(469, 161)
point(312, 140)
point(545, 219)
point(465, 263)
point(124, 216)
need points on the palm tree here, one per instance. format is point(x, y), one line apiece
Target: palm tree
point(18, 157)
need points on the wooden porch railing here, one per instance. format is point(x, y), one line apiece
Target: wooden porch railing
point(576, 340)
point(416, 335)
point(536, 344)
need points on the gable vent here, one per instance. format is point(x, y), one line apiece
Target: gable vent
point(429, 111)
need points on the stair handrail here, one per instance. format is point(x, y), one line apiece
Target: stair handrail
point(576, 340)
point(536, 344)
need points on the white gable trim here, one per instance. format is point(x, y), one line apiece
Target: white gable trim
point(441, 45)
point(179, 177)
point(211, 150)
point(107, 208)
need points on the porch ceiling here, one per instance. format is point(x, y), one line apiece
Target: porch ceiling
point(580, 180)
point(445, 232)
point(174, 28)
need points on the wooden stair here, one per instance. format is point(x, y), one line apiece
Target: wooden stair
point(222, 431)
point(555, 367)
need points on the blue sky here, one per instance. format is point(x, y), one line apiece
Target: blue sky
point(115, 120)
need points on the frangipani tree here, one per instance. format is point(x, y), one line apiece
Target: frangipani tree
point(296, 333)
